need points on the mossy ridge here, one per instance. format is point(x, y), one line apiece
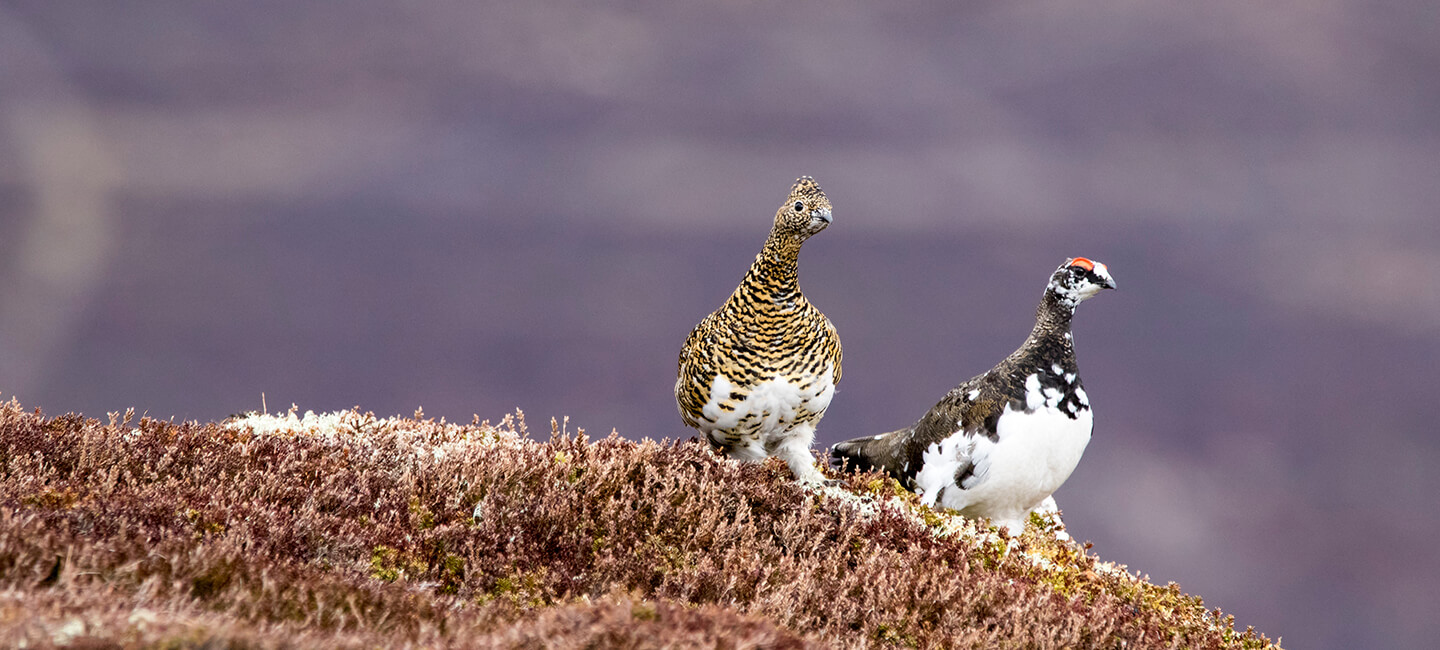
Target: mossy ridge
point(398, 531)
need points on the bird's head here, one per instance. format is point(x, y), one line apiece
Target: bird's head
point(805, 212)
point(1079, 278)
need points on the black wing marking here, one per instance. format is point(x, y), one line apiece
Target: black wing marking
point(967, 408)
point(901, 453)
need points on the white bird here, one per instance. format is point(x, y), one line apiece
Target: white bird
point(998, 445)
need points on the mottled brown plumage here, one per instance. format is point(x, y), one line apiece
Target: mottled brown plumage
point(757, 374)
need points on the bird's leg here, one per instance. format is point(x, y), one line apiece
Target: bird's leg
point(795, 451)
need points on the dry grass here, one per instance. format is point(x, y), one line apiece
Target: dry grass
point(348, 530)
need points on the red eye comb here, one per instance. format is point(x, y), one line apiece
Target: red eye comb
point(1083, 263)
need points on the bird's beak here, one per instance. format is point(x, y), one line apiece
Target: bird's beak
point(1106, 280)
point(823, 214)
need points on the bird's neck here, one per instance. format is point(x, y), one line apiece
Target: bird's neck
point(1054, 314)
point(1052, 328)
point(774, 278)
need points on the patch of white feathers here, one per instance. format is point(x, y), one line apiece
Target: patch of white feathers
point(1035, 451)
point(775, 401)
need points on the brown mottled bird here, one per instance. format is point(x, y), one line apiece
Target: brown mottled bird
point(999, 444)
point(757, 374)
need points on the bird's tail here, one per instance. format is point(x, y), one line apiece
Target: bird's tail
point(855, 454)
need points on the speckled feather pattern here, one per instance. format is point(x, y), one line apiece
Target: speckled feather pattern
point(756, 375)
point(1037, 388)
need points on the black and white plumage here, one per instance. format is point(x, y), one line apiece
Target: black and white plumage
point(999, 444)
point(756, 375)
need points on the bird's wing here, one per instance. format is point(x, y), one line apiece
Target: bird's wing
point(838, 355)
point(971, 408)
point(697, 369)
point(883, 452)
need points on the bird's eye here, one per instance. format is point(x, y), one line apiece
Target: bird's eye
point(799, 206)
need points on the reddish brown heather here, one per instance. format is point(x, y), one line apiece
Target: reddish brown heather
point(156, 533)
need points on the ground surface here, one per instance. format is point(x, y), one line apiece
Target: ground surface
point(346, 530)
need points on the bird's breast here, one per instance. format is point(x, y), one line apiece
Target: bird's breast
point(767, 403)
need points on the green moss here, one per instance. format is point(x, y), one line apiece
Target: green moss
point(452, 573)
point(886, 486)
point(420, 516)
point(521, 588)
point(384, 564)
point(892, 635)
point(201, 525)
point(930, 517)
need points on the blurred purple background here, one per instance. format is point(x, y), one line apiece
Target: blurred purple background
point(474, 207)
